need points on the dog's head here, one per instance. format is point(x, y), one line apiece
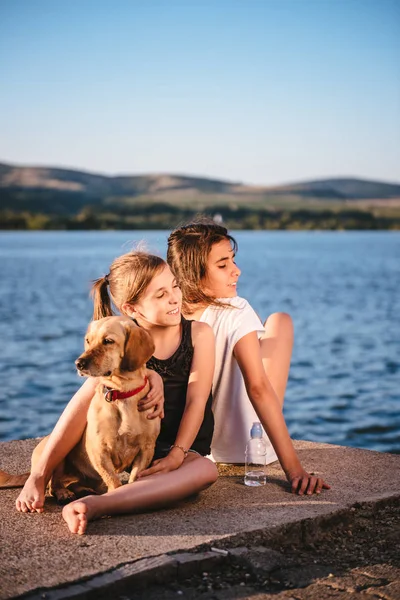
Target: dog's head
point(114, 345)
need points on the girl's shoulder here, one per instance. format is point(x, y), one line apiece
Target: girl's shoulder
point(233, 307)
point(232, 317)
point(231, 323)
point(228, 303)
point(241, 303)
point(201, 331)
point(242, 313)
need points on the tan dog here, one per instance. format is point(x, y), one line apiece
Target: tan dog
point(117, 435)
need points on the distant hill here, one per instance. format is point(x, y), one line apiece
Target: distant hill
point(348, 189)
point(52, 198)
point(181, 189)
point(45, 178)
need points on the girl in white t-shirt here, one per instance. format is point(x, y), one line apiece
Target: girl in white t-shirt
point(252, 361)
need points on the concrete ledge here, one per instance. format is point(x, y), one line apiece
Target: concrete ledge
point(180, 566)
point(41, 559)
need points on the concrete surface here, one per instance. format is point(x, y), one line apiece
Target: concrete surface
point(38, 552)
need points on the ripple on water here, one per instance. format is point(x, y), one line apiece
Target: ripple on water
point(392, 367)
point(6, 418)
point(302, 363)
point(297, 379)
point(46, 337)
point(36, 389)
point(375, 429)
point(333, 419)
point(340, 406)
point(339, 375)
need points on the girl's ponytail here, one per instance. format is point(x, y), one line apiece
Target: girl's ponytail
point(101, 298)
point(129, 276)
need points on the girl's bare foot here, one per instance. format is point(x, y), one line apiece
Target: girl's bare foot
point(77, 514)
point(31, 498)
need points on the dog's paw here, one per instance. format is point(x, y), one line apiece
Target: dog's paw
point(64, 496)
point(83, 492)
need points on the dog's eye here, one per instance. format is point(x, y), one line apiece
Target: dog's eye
point(86, 340)
point(108, 341)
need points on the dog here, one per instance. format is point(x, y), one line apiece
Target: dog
point(117, 436)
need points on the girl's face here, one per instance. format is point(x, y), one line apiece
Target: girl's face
point(222, 272)
point(160, 305)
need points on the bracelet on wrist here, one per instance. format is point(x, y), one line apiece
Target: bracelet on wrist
point(185, 452)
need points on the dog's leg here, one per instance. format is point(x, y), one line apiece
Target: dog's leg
point(133, 474)
point(58, 485)
point(104, 466)
point(140, 462)
point(82, 490)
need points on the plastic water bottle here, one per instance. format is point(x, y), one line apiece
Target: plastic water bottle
point(255, 457)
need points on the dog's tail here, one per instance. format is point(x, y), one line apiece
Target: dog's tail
point(12, 481)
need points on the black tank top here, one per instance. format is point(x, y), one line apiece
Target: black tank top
point(175, 372)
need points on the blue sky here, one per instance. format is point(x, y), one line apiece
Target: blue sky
point(257, 91)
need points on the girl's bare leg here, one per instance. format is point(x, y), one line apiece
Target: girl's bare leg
point(276, 350)
point(155, 491)
point(50, 452)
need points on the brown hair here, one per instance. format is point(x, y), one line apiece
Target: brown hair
point(188, 250)
point(129, 276)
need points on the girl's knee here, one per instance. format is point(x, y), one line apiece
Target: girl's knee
point(280, 321)
point(209, 471)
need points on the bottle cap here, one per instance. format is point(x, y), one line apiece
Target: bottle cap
point(256, 430)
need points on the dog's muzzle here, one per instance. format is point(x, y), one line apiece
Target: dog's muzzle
point(81, 363)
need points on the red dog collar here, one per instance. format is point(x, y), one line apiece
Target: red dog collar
point(110, 395)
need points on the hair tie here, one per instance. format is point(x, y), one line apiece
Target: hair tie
point(106, 279)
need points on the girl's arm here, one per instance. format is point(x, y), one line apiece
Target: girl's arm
point(67, 431)
point(199, 387)
point(268, 409)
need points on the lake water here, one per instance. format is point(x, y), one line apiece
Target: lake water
point(341, 289)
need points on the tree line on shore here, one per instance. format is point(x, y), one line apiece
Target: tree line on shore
point(168, 216)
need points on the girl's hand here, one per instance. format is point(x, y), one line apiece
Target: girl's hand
point(164, 465)
point(155, 397)
point(306, 483)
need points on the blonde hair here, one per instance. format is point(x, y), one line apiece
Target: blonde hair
point(129, 276)
point(188, 250)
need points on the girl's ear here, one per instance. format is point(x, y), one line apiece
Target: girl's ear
point(129, 310)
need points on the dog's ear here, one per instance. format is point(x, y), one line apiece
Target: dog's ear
point(139, 347)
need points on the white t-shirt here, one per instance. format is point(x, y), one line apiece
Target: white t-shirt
point(233, 412)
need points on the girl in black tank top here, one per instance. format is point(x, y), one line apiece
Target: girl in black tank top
point(175, 372)
point(141, 286)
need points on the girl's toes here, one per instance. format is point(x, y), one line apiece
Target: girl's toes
point(75, 515)
point(37, 506)
point(82, 524)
